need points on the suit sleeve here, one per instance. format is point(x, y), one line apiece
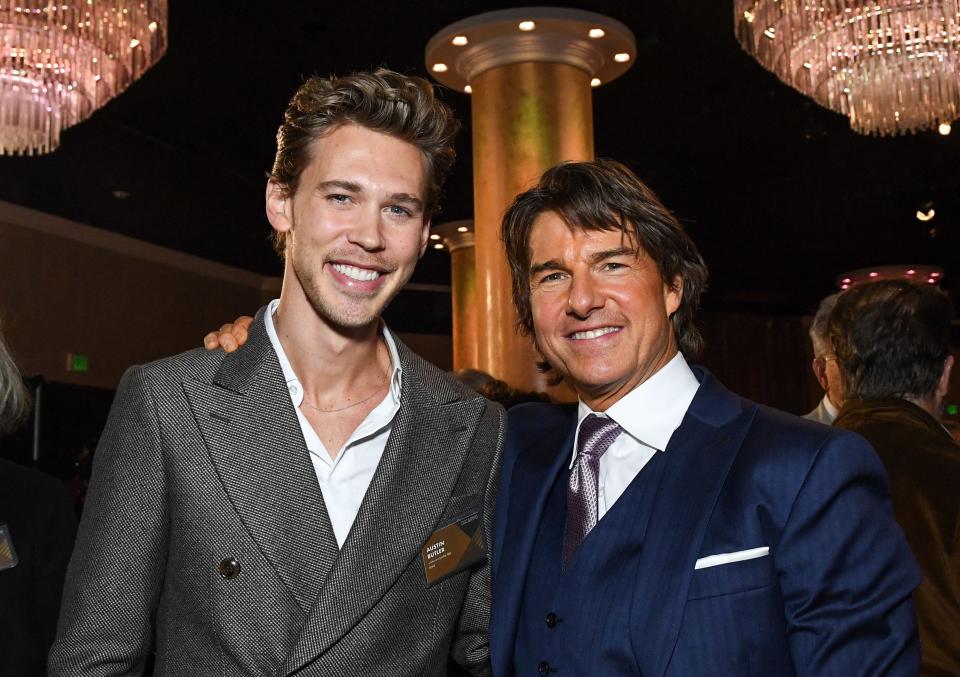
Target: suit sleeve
point(471, 644)
point(117, 568)
point(846, 571)
point(54, 544)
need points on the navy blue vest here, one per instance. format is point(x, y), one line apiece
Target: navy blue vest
point(572, 621)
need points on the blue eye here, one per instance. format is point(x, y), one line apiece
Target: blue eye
point(397, 210)
point(339, 198)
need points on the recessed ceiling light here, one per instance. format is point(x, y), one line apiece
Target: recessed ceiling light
point(595, 82)
point(596, 33)
point(526, 25)
point(434, 237)
point(944, 128)
point(621, 57)
point(462, 229)
point(438, 246)
point(927, 215)
point(468, 89)
point(439, 68)
point(459, 40)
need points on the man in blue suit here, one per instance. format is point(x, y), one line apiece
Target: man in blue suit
point(664, 525)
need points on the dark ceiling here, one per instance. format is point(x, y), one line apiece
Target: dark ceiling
point(780, 195)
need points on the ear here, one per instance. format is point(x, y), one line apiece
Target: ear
point(819, 366)
point(424, 237)
point(944, 385)
point(673, 294)
point(279, 207)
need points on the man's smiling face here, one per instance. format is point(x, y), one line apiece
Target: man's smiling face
point(355, 225)
point(601, 312)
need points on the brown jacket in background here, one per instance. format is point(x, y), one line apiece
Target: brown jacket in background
point(923, 463)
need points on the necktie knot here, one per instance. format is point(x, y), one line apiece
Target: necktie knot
point(597, 433)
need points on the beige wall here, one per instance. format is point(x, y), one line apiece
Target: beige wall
point(68, 288)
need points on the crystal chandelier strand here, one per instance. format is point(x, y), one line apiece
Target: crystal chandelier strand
point(891, 66)
point(59, 62)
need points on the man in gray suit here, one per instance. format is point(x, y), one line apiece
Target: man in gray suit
point(319, 501)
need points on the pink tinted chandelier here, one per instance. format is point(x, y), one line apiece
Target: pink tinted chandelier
point(60, 61)
point(890, 66)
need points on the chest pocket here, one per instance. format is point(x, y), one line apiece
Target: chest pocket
point(726, 579)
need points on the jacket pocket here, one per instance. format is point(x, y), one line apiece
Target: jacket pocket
point(733, 577)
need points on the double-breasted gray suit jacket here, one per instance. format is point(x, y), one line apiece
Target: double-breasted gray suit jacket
point(202, 461)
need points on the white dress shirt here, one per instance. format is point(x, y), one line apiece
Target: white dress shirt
point(344, 478)
point(649, 414)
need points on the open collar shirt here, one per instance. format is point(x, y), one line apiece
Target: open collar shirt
point(344, 477)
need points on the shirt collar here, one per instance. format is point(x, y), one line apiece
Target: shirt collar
point(293, 383)
point(828, 405)
point(651, 412)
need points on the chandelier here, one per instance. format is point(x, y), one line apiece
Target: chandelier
point(61, 61)
point(891, 66)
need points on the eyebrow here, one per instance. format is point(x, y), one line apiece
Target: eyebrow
point(348, 186)
point(596, 257)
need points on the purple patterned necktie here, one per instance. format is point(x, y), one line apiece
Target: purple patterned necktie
point(596, 435)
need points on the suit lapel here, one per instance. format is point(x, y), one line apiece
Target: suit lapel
point(698, 458)
point(255, 443)
point(539, 458)
point(406, 498)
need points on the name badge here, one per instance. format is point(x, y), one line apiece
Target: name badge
point(454, 548)
point(8, 555)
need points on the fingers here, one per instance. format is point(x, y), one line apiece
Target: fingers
point(239, 329)
point(226, 338)
point(229, 336)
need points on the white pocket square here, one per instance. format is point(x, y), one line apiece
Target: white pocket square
point(728, 557)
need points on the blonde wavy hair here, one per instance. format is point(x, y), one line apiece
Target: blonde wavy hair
point(14, 397)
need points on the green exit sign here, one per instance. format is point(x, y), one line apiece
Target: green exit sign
point(953, 409)
point(77, 362)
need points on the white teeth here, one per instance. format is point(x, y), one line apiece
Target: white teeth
point(354, 273)
point(594, 333)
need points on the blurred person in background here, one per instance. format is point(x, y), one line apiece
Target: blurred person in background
point(892, 342)
point(37, 528)
point(825, 365)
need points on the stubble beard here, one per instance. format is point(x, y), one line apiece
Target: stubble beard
point(347, 311)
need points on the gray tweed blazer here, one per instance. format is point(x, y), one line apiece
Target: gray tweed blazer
point(203, 462)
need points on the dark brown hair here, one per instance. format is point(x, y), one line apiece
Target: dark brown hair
point(384, 101)
point(891, 339)
point(606, 195)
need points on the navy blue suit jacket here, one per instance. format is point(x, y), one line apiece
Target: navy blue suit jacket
point(831, 598)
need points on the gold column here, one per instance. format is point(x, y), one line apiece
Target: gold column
point(526, 118)
point(458, 238)
point(530, 73)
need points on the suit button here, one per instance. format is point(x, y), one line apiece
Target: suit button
point(229, 568)
point(543, 668)
point(552, 620)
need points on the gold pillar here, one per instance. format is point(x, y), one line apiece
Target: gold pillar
point(526, 118)
point(530, 73)
point(458, 238)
